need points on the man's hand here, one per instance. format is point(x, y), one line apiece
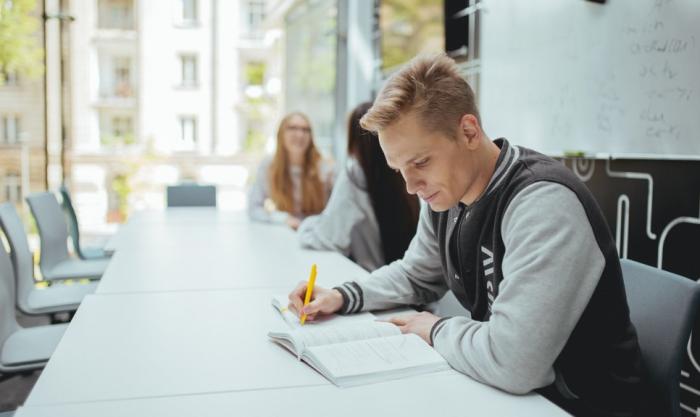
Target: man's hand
point(420, 324)
point(323, 301)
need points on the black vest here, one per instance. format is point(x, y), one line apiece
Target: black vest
point(601, 361)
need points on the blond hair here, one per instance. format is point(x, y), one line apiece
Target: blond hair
point(313, 189)
point(429, 86)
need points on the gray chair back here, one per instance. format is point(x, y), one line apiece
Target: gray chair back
point(191, 195)
point(8, 322)
point(53, 230)
point(72, 220)
point(663, 308)
point(20, 254)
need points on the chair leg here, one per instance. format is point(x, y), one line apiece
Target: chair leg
point(62, 317)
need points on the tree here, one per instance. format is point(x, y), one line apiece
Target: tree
point(410, 27)
point(20, 52)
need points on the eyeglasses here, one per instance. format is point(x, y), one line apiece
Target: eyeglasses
point(300, 129)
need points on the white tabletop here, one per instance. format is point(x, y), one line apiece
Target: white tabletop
point(173, 255)
point(443, 394)
point(157, 344)
point(179, 327)
point(181, 215)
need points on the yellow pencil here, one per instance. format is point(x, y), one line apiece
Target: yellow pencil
point(309, 290)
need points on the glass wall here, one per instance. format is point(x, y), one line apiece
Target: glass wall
point(22, 102)
point(410, 27)
point(311, 42)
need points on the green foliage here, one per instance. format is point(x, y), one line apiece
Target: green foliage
point(255, 73)
point(254, 141)
point(410, 27)
point(29, 222)
point(121, 186)
point(108, 139)
point(19, 46)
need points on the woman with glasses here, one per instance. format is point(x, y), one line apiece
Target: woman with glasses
point(369, 217)
point(295, 181)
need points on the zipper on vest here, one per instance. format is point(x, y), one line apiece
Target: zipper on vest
point(455, 235)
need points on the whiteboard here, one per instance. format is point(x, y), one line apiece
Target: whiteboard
point(571, 75)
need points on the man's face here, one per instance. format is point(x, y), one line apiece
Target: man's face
point(437, 168)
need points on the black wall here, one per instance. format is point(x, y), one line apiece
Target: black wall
point(661, 201)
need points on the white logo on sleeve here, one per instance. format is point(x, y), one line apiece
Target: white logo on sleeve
point(487, 262)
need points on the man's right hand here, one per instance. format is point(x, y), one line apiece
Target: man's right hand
point(323, 301)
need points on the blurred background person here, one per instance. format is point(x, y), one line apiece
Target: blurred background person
point(369, 217)
point(293, 183)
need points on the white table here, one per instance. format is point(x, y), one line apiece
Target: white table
point(205, 255)
point(165, 344)
point(172, 216)
point(443, 394)
point(179, 326)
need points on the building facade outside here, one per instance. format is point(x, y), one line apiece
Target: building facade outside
point(22, 130)
point(162, 92)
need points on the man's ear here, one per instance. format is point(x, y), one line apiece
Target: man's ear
point(470, 130)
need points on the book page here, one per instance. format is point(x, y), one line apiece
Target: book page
point(280, 304)
point(292, 320)
point(375, 356)
point(309, 336)
point(330, 329)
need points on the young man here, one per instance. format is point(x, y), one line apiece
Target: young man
point(519, 240)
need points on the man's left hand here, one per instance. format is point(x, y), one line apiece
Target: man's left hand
point(420, 324)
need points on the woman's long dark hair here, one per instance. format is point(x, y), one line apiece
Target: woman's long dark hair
point(395, 209)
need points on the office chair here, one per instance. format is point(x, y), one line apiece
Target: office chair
point(31, 300)
point(663, 307)
point(191, 195)
point(82, 251)
point(55, 262)
point(21, 349)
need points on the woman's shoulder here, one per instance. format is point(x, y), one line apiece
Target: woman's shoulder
point(326, 170)
point(261, 174)
point(264, 164)
point(354, 171)
point(326, 165)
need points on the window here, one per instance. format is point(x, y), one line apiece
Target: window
point(256, 16)
point(115, 14)
point(310, 66)
point(115, 78)
point(121, 126)
point(116, 129)
point(187, 12)
point(408, 29)
point(255, 73)
point(10, 78)
point(12, 188)
point(123, 129)
point(122, 77)
point(188, 70)
point(187, 133)
point(10, 128)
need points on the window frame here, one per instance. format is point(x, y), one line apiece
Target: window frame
point(12, 187)
point(184, 59)
point(16, 124)
point(184, 143)
point(182, 19)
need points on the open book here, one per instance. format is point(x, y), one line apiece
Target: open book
point(356, 349)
